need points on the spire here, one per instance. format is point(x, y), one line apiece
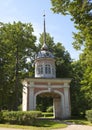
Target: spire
point(44, 38)
point(44, 47)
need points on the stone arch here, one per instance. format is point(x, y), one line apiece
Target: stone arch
point(60, 102)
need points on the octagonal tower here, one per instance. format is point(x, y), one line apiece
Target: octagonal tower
point(44, 61)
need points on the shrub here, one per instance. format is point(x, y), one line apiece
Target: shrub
point(20, 107)
point(20, 117)
point(50, 109)
point(45, 114)
point(89, 115)
point(1, 117)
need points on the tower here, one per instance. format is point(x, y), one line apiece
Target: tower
point(45, 83)
point(44, 61)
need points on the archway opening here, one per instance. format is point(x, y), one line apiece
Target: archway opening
point(47, 102)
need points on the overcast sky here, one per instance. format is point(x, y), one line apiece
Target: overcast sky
point(60, 27)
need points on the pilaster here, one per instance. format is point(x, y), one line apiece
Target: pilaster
point(31, 96)
point(66, 101)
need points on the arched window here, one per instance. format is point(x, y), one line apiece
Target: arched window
point(47, 69)
point(40, 69)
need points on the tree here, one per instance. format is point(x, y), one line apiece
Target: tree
point(63, 61)
point(86, 82)
point(16, 46)
point(81, 12)
point(77, 98)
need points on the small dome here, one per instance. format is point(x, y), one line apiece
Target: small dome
point(44, 54)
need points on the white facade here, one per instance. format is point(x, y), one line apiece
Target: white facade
point(45, 68)
point(59, 88)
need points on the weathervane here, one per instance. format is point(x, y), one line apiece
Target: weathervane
point(44, 14)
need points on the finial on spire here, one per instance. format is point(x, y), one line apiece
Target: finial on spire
point(44, 14)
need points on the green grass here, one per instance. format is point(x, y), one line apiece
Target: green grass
point(40, 125)
point(78, 121)
point(48, 124)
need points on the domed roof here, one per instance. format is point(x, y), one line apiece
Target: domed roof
point(44, 54)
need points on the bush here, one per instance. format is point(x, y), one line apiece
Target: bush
point(45, 114)
point(20, 117)
point(1, 117)
point(20, 107)
point(50, 109)
point(89, 115)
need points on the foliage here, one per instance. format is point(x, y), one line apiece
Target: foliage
point(40, 125)
point(89, 115)
point(50, 109)
point(81, 13)
point(19, 117)
point(20, 107)
point(77, 97)
point(1, 116)
point(51, 124)
point(47, 115)
point(43, 103)
point(87, 80)
point(63, 61)
point(16, 46)
point(78, 121)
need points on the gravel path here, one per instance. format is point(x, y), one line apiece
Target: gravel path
point(1, 128)
point(76, 127)
point(70, 127)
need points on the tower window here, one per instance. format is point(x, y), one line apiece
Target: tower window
point(47, 69)
point(40, 69)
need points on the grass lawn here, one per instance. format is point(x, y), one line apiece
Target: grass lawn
point(48, 124)
point(78, 121)
point(41, 125)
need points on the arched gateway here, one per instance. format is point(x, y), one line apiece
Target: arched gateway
point(46, 83)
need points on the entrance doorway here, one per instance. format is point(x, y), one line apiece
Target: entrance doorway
point(49, 102)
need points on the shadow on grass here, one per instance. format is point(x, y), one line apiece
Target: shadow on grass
point(80, 121)
point(50, 123)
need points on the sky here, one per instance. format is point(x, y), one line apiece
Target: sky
point(31, 11)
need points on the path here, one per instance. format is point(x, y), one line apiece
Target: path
point(1, 128)
point(70, 127)
point(76, 127)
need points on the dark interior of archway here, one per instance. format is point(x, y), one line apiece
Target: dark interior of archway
point(45, 101)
